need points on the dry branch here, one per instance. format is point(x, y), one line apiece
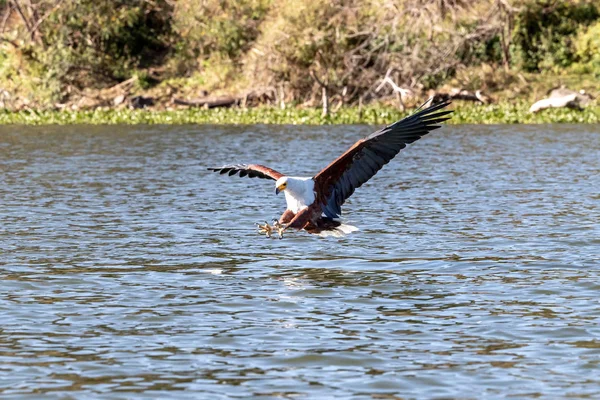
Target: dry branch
point(400, 92)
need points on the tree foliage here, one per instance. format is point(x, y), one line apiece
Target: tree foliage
point(544, 31)
point(297, 48)
point(95, 41)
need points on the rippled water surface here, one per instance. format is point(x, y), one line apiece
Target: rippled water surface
point(128, 271)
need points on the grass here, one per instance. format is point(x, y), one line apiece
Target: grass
point(464, 113)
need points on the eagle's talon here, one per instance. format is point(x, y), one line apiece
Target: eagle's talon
point(280, 228)
point(266, 229)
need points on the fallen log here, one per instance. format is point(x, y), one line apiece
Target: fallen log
point(462, 94)
point(208, 102)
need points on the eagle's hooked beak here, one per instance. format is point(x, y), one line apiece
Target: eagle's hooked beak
point(277, 190)
point(280, 188)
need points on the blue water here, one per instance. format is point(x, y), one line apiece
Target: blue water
point(130, 272)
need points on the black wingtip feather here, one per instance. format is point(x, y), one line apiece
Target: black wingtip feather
point(380, 147)
point(434, 107)
point(243, 170)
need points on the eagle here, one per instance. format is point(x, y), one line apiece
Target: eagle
point(314, 204)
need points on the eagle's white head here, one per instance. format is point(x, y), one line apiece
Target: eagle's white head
point(299, 191)
point(281, 184)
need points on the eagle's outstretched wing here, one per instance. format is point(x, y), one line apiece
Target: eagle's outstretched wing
point(249, 170)
point(338, 180)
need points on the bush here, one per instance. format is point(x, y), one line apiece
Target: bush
point(227, 27)
point(587, 45)
point(303, 37)
point(351, 44)
point(543, 31)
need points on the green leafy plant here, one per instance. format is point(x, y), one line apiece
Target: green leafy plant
point(464, 113)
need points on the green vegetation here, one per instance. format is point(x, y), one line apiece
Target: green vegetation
point(503, 113)
point(542, 39)
point(83, 55)
point(588, 51)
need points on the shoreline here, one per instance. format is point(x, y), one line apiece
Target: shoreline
point(464, 113)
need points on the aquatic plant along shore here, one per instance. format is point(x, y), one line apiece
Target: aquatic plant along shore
point(464, 113)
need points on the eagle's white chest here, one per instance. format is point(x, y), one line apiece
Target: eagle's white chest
point(300, 193)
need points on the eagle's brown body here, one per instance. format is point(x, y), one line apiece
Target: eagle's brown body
point(311, 221)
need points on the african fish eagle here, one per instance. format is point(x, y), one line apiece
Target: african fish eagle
point(314, 203)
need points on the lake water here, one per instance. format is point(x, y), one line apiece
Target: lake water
point(128, 271)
